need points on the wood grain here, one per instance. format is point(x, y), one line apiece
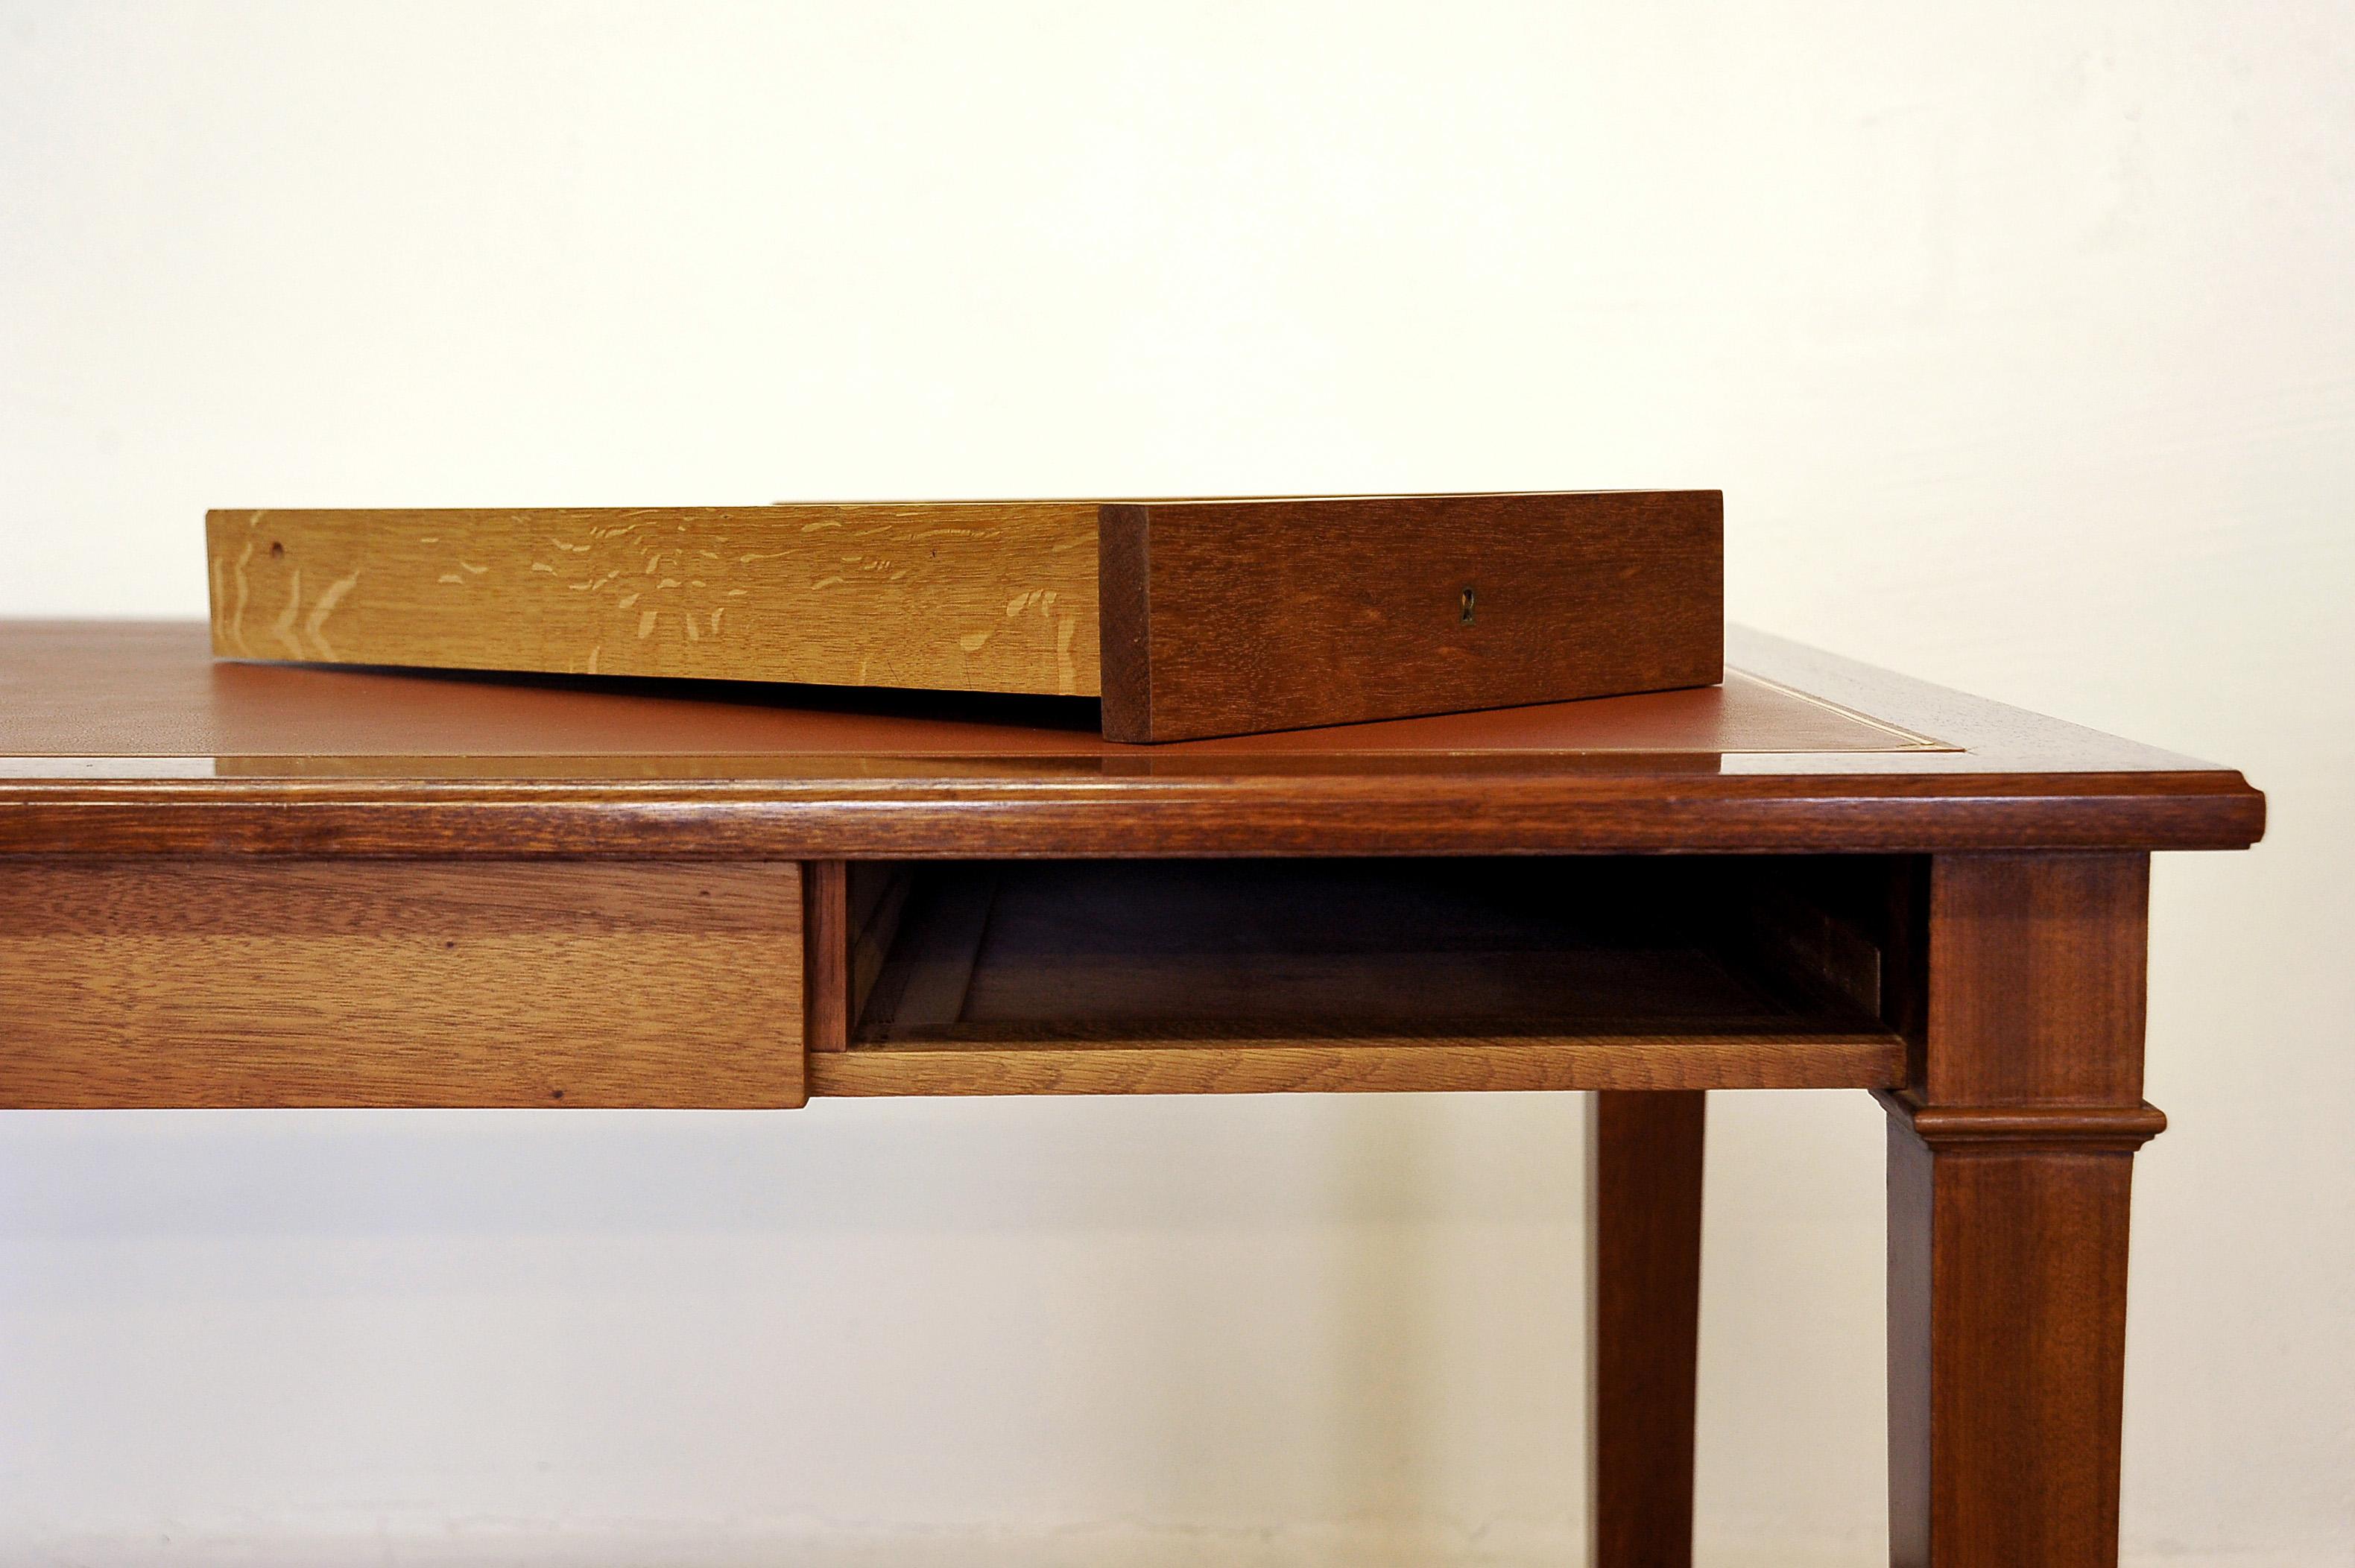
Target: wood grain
point(346, 923)
point(350, 924)
point(84, 694)
point(826, 922)
point(1145, 977)
point(924, 978)
point(1290, 949)
point(878, 899)
point(1262, 614)
point(2010, 1167)
point(852, 912)
point(961, 596)
point(1012, 811)
point(1225, 617)
point(1159, 1065)
point(402, 984)
point(1645, 1167)
point(2069, 932)
point(2008, 1316)
point(148, 688)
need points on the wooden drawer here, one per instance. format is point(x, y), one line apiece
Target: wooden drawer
point(389, 982)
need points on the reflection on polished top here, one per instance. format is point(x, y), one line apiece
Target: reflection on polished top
point(150, 689)
point(110, 728)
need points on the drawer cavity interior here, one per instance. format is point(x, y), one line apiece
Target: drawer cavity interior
point(1133, 975)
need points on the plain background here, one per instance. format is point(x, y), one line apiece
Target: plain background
point(2020, 337)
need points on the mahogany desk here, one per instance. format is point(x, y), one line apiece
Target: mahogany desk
point(261, 885)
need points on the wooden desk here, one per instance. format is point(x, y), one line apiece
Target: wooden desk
point(259, 885)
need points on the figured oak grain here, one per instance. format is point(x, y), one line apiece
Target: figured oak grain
point(1265, 615)
point(309, 983)
point(960, 596)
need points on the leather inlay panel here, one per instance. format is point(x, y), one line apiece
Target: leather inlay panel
point(150, 689)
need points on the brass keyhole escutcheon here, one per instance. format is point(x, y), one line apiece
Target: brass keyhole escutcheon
point(1471, 598)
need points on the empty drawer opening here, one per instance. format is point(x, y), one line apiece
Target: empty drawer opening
point(1463, 972)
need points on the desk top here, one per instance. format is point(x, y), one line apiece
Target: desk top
point(120, 738)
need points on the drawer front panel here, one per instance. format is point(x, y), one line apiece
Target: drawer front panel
point(383, 983)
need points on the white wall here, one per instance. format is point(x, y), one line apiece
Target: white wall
point(2020, 337)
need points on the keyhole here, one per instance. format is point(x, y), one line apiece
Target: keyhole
point(1470, 599)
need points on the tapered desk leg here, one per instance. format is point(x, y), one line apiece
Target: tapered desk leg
point(1644, 1229)
point(2010, 1155)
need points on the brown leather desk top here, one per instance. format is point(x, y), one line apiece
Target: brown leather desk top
point(151, 689)
point(119, 735)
